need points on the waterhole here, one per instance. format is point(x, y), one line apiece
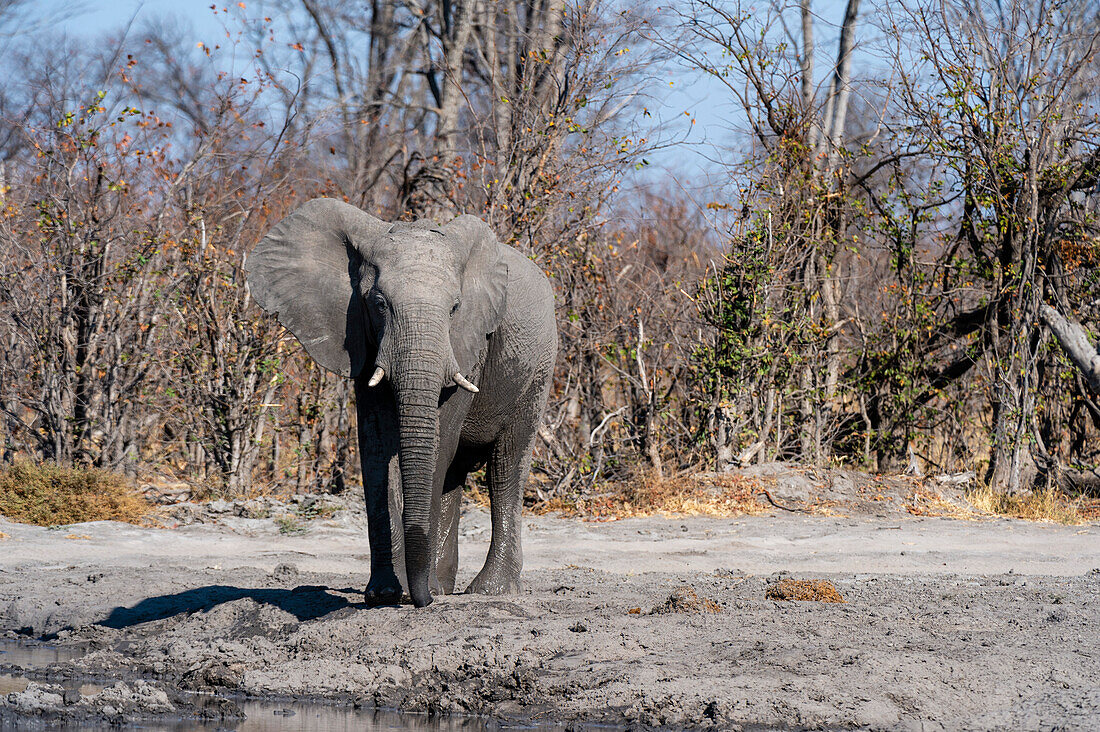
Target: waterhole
point(260, 715)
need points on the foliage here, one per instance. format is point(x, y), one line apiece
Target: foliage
point(133, 195)
point(863, 288)
point(49, 495)
point(878, 300)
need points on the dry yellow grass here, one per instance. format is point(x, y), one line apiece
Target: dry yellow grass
point(1045, 505)
point(788, 590)
point(721, 496)
point(51, 495)
point(983, 502)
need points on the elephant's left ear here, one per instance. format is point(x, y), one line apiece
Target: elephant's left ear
point(484, 287)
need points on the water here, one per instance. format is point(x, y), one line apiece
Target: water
point(36, 655)
point(260, 715)
point(10, 683)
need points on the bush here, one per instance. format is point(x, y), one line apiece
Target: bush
point(48, 495)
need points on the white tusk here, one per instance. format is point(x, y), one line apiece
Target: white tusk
point(461, 381)
point(378, 374)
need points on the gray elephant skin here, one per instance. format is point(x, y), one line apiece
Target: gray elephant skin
point(451, 340)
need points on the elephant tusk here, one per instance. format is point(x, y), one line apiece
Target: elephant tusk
point(379, 372)
point(461, 381)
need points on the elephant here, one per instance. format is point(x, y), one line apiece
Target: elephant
point(451, 340)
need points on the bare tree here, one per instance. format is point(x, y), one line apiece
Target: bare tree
point(1003, 97)
point(779, 289)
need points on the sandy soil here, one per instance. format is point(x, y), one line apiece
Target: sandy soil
point(947, 625)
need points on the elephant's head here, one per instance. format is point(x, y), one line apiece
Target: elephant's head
point(406, 302)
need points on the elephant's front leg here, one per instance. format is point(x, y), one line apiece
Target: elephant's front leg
point(376, 418)
point(451, 476)
point(509, 466)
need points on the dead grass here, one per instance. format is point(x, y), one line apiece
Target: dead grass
point(720, 497)
point(1045, 505)
point(929, 502)
point(787, 590)
point(982, 502)
point(50, 495)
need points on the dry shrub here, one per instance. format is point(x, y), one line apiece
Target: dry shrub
point(811, 590)
point(49, 495)
point(685, 600)
point(719, 496)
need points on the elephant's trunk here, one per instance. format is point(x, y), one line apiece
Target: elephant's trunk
point(417, 378)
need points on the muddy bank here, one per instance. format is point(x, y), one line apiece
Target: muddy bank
point(945, 624)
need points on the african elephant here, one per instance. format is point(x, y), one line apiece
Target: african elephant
point(451, 340)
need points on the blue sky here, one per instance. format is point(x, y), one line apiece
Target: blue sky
point(689, 166)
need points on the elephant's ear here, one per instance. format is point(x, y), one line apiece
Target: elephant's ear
point(484, 287)
point(306, 271)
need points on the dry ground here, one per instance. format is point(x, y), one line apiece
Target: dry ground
point(945, 623)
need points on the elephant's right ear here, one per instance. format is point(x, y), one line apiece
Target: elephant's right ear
point(306, 271)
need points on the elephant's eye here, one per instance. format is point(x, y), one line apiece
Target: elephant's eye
point(454, 308)
point(379, 300)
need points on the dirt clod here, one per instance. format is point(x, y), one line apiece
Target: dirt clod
point(214, 675)
point(284, 572)
point(685, 600)
point(804, 590)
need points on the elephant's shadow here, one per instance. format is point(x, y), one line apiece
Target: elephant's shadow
point(305, 602)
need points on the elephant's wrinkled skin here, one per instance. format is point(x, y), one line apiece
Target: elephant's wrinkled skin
point(451, 340)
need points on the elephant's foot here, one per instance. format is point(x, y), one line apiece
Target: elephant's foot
point(383, 589)
point(495, 581)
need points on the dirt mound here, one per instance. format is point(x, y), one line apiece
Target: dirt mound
point(811, 590)
point(35, 699)
point(685, 600)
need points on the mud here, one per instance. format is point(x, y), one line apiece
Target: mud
point(642, 623)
